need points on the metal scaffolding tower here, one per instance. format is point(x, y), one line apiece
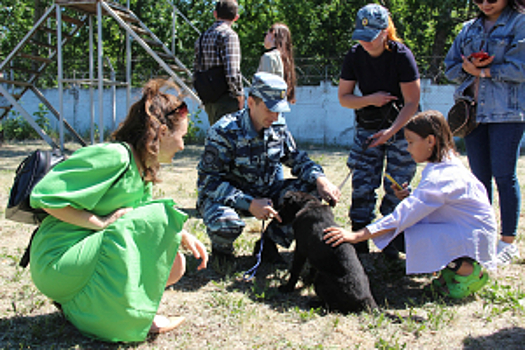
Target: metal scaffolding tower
point(30, 58)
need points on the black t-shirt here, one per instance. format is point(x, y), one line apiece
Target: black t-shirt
point(383, 73)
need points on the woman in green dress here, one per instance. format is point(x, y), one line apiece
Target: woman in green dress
point(107, 250)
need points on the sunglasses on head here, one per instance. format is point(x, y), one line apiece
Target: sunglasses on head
point(181, 109)
point(480, 2)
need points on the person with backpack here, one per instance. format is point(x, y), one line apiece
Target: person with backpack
point(106, 251)
point(219, 47)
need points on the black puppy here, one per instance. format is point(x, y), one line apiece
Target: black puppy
point(340, 279)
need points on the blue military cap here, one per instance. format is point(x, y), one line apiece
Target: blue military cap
point(271, 89)
point(371, 20)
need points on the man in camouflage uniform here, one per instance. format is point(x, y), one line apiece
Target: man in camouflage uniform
point(237, 171)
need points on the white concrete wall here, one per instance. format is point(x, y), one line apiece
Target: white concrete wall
point(317, 117)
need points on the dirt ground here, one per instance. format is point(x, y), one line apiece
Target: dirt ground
point(225, 312)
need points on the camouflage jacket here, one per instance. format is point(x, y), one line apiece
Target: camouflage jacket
point(239, 164)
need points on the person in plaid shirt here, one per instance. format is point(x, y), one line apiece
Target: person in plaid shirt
point(220, 47)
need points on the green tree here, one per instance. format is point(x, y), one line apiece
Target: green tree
point(321, 30)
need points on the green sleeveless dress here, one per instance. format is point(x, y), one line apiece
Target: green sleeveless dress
point(109, 282)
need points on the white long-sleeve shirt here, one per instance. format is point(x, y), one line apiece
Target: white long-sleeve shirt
point(446, 217)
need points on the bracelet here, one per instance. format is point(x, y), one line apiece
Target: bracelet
point(482, 73)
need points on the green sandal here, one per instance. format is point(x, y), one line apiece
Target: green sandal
point(463, 286)
point(439, 283)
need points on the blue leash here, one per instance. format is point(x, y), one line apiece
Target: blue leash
point(248, 275)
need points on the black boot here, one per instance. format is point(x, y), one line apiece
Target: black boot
point(390, 252)
point(221, 260)
point(270, 253)
point(397, 245)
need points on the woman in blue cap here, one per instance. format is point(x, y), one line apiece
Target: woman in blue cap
point(386, 74)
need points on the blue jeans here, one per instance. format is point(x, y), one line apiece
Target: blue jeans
point(493, 151)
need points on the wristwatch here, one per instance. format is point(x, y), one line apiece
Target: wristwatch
point(482, 73)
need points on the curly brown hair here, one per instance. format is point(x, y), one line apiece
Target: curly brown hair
point(140, 129)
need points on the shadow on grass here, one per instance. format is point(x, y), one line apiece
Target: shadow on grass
point(52, 331)
point(45, 332)
point(507, 338)
point(393, 290)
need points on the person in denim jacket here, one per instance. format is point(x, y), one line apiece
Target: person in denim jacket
point(497, 82)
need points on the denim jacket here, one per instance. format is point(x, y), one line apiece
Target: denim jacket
point(501, 98)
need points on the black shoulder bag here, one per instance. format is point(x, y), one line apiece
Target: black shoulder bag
point(462, 117)
point(377, 118)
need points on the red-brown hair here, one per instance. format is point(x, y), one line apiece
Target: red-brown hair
point(141, 126)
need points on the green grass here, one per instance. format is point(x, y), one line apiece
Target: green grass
point(223, 311)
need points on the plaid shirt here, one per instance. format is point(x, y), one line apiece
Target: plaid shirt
point(220, 46)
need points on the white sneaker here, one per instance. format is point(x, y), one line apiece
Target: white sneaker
point(506, 253)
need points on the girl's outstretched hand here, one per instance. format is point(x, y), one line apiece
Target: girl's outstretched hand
point(338, 235)
point(198, 249)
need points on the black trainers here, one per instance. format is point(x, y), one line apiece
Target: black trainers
point(391, 253)
point(221, 261)
point(395, 247)
point(270, 253)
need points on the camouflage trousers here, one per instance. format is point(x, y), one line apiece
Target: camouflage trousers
point(368, 166)
point(224, 224)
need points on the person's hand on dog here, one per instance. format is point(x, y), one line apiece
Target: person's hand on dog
point(337, 235)
point(262, 209)
point(328, 191)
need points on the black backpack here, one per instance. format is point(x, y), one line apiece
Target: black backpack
point(32, 169)
point(28, 174)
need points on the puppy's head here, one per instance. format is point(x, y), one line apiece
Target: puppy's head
point(292, 203)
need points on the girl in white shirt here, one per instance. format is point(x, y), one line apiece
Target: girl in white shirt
point(448, 221)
